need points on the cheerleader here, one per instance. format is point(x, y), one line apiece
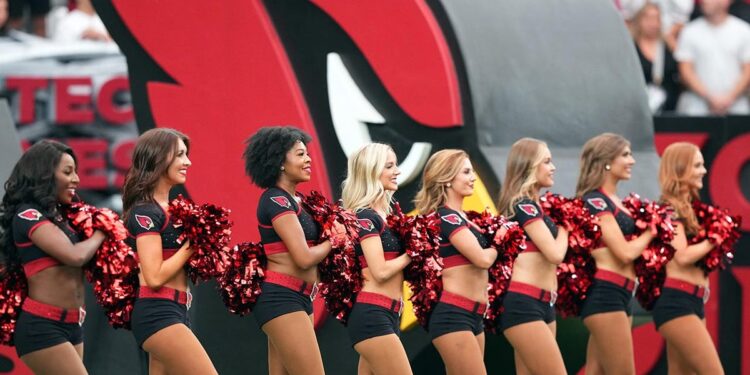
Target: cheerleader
point(373, 324)
point(276, 159)
point(456, 324)
point(528, 319)
point(160, 316)
point(678, 313)
point(48, 335)
point(605, 161)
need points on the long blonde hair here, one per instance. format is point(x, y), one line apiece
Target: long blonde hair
point(442, 167)
point(362, 187)
point(524, 158)
point(675, 168)
point(597, 153)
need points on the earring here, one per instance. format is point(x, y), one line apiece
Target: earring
point(282, 167)
point(448, 185)
point(607, 167)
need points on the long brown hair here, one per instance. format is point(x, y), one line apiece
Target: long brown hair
point(675, 168)
point(441, 168)
point(597, 153)
point(520, 173)
point(155, 150)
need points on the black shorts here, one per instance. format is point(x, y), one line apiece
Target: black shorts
point(519, 309)
point(604, 296)
point(150, 315)
point(447, 318)
point(276, 300)
point(367, 321)
point(35, 333)
point(675, 303)
point(37, 7)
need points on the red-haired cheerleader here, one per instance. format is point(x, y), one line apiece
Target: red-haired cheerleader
point(160, 320)
point(528, 318)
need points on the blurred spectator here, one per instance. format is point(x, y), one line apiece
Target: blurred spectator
point(674, 15)
point(3, 13)
point(714, 61)
point(38, 10)
point(659, 66)
point(741, 9)
point(81, 23)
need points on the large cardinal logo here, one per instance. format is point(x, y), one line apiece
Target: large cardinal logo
point(144, 222)
point(30, 214)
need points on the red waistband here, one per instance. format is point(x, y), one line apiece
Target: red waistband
point(463, 302)
point(533, 292)
point(388, 255)
point(290, 282)
point(279, 247)
point(38, 265)
point(183, 298)
point(376, 299)
point(455, 260)
point(615, 278)
point(692, 289)
point(53, 312)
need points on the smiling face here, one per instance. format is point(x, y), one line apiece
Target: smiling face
point(389, 176)
point(177, 170)
point(694, 178)
point(463, 183)
point(297, 164)
point(545, 171)
point(66, 179)
point(621, 167)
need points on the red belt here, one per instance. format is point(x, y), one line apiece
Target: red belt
point(533, 292)
point(291, 282)
point(462, 302)
point(616, 278)
point(53, 312)
point(692, 289)
point(395, 305)
point(183, 298)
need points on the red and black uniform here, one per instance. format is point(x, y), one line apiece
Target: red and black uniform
point(610, 291)
point(375, 314)
point(155, 310)
point(524, 303)
point(453, 312)
point(40, 325)
point(679, 298)
point(281, 293)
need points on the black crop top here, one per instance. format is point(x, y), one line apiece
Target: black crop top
point(370, 225)
point(27, 219)
point(275, 203)
point(526, 211)
point(599, 204)
point(150, 218)
point(451, 222)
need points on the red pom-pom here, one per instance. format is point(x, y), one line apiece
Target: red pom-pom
point(340, 272)
point(508, 246)
point(240, 285)
point(419, 236)
point(576, 272)
point(113, 271)
point(13, 290)
point(209, 231)
point(650, 267)
point(721, 229)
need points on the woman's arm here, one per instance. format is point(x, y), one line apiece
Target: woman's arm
point(687, 255)
point(290, 231)
point(381, 269)
point(553, 249)
point(466, 244)
point(54, 242)
point(155, 270)
point(624, 250)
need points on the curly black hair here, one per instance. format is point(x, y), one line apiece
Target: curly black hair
point(266, 150)
point(31, 181)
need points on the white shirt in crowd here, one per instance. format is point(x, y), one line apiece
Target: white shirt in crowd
point(72, 26)
point(717, 53)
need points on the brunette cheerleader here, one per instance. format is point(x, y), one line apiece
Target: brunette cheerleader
point(456, 323)
point(528, 319)
point(160, 316)
point(373, 324)
point(678, 313)
point(48, 335)
point(277, 160)
point(605, 161)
